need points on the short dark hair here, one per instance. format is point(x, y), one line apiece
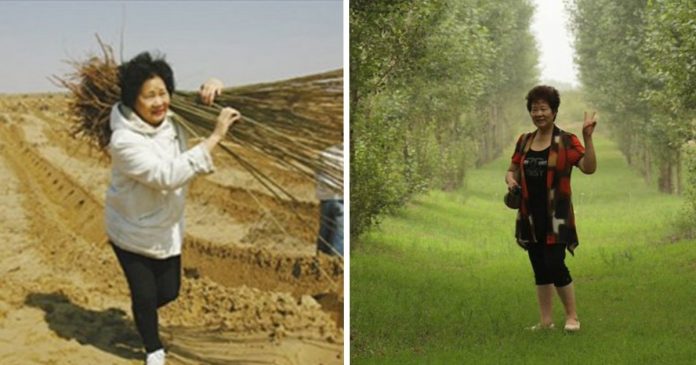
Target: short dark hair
point(546, 93)
point(133, 74)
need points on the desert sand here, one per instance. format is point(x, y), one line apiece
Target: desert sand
point(254, 291)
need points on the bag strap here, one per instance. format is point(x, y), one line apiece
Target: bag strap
point(525, 140)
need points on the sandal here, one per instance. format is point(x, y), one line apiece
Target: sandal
point(540, 327)
point(575, 327)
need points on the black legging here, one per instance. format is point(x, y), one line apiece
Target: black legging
point(548, 264)
point(153, 283)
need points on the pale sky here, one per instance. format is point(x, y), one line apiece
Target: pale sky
point(240, 42)
point(549, 26)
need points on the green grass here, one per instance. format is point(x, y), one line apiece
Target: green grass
point(443, 281)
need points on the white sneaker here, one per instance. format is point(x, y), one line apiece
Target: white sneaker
point(155, 358)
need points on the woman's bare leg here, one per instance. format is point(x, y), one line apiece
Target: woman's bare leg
point(545, 298)
point(567, 295)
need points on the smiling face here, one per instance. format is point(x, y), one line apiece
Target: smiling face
point(152, 102)
point(542, 115)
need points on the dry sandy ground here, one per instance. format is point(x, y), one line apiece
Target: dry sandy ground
point(254, 291)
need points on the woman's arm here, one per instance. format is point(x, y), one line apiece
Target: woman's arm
point(132, 154)
point(588, 163)
point(512, 176)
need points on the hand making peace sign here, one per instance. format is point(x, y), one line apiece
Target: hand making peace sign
point(589, 124)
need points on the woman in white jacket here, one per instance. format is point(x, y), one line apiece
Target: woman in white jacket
point(151, 168)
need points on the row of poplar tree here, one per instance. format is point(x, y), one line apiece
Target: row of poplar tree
point(434, 89)
point(637, 62)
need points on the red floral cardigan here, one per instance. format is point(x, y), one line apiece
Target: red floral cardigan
point(566, 151)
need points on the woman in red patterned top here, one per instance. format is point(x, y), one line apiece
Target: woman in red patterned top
point(541, 167)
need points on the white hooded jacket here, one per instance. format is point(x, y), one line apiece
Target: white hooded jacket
point(150, 172)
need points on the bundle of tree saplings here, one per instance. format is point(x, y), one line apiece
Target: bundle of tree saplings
point(288, 122)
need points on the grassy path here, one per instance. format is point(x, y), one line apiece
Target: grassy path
point(443, 282)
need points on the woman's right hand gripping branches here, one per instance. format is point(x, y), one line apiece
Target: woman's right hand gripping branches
point(225, 119)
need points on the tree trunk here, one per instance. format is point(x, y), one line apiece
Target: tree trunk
point(647, 167)
point(677, 175)
point(664, 181)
